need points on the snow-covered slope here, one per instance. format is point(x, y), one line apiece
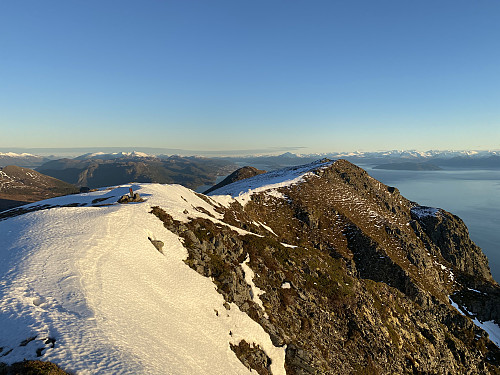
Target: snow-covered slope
point(85, 288)
point(113, 155)
point(16, 155)
point(243, 189)
point(23, 159)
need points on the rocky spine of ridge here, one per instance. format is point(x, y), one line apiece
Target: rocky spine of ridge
point(237, 175)
point(354, 280)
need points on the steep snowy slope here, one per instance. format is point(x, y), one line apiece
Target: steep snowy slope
point(84, 287)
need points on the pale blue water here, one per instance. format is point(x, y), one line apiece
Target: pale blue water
point(473, 195)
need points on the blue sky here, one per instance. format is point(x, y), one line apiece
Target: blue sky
point(235, 75)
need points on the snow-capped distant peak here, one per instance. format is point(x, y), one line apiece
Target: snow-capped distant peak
point(14, 155)
point(113, 155)
point(136, 154)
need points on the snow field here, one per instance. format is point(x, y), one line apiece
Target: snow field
point(89, 278)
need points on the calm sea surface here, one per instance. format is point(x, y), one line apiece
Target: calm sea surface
point(473, 195)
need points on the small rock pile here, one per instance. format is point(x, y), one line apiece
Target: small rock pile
point(132, 197)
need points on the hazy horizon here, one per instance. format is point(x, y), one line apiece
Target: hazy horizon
point(78, 151)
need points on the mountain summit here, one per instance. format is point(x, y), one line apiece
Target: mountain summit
point(316, 269)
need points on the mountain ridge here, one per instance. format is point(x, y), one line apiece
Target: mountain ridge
point(340, 272)
point(96, 172)
point(20, 185)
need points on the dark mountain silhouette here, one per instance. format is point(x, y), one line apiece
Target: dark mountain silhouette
point(23, 185)
point(239, 174)
point(188, 171)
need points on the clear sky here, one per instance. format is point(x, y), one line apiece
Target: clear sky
point(233, 74)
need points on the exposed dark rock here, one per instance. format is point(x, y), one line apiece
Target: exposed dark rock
point(157, 244)
point(449, 233)
point(253, 357)
point(135, 197)
point(31, 368)
point(297, 361)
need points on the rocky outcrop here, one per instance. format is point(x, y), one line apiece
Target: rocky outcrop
point(132, 197)
point(450, 235)
point(31, 368)
point(157, 244)
point(253, 357)
point(353, 280)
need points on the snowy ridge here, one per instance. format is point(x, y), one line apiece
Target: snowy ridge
point(411, 154)
point(83, 287)
point(14, 155)
point(113, 155)
point(242, 190)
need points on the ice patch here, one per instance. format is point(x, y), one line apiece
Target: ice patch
point(424, 211)
point(269, 229)
point(256, 292)
point(490, 327)
point(286, 285)
point(276, 194)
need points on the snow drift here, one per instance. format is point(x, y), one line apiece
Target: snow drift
point(84, 287)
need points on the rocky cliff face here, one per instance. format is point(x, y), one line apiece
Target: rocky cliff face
point(350, 276)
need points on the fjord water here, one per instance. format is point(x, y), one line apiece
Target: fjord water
point(473, 195)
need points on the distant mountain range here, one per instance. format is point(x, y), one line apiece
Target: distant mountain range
point(113, 155)
point(412, 159)
point(21, 160)
point(98, 170)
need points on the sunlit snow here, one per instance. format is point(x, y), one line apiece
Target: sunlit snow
point(89, 278)
point(490, 326)
point(256, 291)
